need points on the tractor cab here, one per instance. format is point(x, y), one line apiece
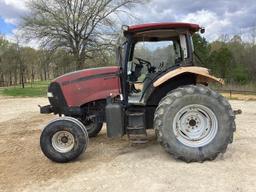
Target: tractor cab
point(146, 52)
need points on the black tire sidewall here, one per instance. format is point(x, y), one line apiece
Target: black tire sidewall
point(63, 125)
point(219, 142)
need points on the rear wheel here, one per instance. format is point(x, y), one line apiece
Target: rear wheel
point(194, 123)
point(64, 139)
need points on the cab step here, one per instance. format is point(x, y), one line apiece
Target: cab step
point(138, 138)
point(135, 129)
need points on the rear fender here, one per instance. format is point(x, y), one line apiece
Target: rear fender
point(202, 75)
point(172, 80)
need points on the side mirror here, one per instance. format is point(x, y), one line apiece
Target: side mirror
point(202, 30)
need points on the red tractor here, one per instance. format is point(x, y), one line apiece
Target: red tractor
point(156, 85)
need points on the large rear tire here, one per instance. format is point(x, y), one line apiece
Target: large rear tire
point(194, 123)
point(64, 139)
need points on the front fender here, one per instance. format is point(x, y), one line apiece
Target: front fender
point(202, 75)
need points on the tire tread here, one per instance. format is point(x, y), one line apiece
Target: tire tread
point(179, 92)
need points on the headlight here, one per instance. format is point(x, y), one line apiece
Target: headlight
point(49, 94)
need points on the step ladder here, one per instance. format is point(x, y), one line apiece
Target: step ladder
point(136, 130)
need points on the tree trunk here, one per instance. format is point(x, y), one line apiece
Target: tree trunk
point(22, 82)
point(32, 75)
point(45, 73)
point(15, 77)
point(79, 62)
point(10, 78)
point(2, 80)
point(41, 75)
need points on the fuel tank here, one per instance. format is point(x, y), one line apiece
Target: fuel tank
point(84, 86)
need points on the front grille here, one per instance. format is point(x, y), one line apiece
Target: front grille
point(58, 101)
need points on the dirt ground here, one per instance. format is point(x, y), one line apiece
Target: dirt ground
point(115, 165)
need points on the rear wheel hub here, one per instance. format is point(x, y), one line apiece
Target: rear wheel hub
point(195, 125)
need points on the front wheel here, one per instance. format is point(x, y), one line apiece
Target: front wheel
point(64, 139)
point(194, 123)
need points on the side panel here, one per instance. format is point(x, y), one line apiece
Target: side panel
point(88, 86)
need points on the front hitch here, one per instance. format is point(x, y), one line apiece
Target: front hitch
point(237, 112)
point(46, 109)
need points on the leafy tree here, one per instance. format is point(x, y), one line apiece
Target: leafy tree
point(30, 58)
point(3, 46)
point(79, 26)
point(221, 61)
point(202, 50)
point(45, 58)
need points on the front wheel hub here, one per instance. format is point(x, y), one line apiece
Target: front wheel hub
point(63, 141)
point(195, 125)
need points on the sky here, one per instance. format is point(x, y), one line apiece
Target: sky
point(219, 17)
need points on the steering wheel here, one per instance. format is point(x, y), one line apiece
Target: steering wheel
point(143, 62)
point(151, 69)
point(161, 66)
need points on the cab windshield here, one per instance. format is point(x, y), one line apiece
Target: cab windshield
point(162, 54)
point(161, 49)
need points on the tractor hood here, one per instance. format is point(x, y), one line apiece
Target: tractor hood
point(82, 75)
point(84, 86)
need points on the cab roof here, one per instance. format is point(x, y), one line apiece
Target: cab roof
point(164, 25)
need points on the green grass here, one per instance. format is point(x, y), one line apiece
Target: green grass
point(38, 89)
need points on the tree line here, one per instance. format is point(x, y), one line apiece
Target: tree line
point(20, 65)
point(230, 58)
point(73, 34)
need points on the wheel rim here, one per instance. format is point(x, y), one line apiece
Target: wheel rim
point(63, 141)
point(195, 125)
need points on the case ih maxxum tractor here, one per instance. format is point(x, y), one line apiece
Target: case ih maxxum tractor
point(191, 121)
